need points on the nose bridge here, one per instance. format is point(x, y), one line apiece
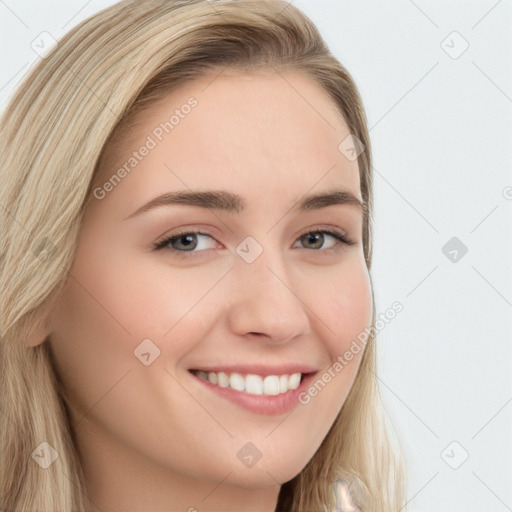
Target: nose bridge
point(265, 301)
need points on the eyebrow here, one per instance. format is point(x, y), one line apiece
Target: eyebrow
point(229, 202)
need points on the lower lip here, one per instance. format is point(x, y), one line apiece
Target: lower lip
point(261, 404)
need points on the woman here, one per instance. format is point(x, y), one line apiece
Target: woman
point(187, 244)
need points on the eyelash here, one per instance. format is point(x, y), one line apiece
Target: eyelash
point(161, 245)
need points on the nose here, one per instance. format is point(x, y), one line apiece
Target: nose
point(264, 302)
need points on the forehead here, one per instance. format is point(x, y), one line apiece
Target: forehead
point(238, 131)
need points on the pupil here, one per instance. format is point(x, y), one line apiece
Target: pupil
point(189, 241)
point(315, 237)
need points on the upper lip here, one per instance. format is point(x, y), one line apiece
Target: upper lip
point(258, 369)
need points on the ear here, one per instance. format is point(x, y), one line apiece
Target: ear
point(38, 335)
point(39, 324)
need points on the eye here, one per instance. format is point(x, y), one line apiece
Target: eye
point(187, 241)
point(317, 239)
point(192, 242)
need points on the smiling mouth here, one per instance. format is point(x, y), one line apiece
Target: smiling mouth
point(253, 384)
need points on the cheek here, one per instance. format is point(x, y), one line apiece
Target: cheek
point(143, 297)
point(175, 307)
point(102, 318)
point(91, 342)
point(111, 305)
point(346, 306)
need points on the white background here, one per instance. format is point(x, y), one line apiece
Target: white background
point(441, 129)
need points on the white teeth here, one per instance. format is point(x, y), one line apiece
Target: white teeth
point(294, 381)
point(254, 385)
point(283, 384)
point(236, 381)
point(270, 385)
point(222, 380)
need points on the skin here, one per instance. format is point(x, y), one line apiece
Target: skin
point(152, 437)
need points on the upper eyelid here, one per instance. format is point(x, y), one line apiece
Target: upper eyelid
point(199, 231)
point(205, 230)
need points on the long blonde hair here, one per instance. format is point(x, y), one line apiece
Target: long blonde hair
point(52, 136)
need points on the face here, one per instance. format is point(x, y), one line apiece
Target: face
point(249, 282)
